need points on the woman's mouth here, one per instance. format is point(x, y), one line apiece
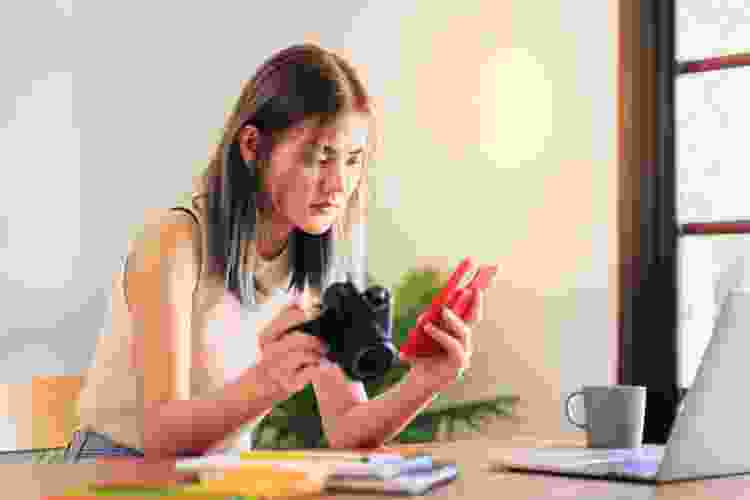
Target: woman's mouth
point(323, 207)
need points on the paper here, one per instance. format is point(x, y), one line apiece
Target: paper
point(412, 483)
point(381, 467)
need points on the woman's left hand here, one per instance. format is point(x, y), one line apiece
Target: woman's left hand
point(454, 335)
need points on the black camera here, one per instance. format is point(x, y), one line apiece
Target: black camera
point(357, 328)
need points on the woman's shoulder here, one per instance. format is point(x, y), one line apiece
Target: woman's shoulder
point(164, 259)
point(168, 235)
point(172, 224)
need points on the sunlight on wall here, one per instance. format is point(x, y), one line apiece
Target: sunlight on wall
point(513, 110)
point(489, 147)
point(499, 144)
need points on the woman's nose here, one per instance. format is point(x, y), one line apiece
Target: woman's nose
point(335, 177)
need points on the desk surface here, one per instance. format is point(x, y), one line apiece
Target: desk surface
point(475, 480)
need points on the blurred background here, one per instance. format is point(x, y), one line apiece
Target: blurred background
point(498, 142)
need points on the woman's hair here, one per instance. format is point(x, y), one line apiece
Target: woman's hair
point(302, 82)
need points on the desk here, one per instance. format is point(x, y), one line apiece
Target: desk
point(475, 482)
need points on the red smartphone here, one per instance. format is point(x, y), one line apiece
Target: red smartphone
point(456, 297)
point(419, 342)
point(449, 293)
point(481, 281)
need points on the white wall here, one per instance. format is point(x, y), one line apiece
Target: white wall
point(498, 141)
point(499, 138)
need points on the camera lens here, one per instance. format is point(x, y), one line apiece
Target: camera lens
point(377, 296)
point(373, 361)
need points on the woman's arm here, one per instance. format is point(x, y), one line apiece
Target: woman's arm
point(160, 285)
point(359, 423)
point(192, 426)
point(350, 420)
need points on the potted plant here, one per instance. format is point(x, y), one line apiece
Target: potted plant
point(296, 423)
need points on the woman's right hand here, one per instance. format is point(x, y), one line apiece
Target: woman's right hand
point(288, 360)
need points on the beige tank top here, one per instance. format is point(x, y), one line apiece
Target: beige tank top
point(224, 343)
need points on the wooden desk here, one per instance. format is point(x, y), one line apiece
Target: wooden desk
point(475, 481)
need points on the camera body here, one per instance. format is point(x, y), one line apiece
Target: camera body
point(357, 329)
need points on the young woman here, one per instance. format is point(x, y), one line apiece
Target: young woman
point(194, 355)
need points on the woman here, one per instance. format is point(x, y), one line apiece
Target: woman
point(195, 355)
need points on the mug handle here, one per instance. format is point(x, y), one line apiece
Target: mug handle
point(568, 413)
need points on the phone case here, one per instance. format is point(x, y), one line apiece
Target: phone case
point(481, 281)
point(458, 299)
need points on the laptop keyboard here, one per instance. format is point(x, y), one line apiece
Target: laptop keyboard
point(642, 462)
point(643, 467)
point(561, 455)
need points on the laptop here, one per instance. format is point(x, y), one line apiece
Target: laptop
point(708, 437)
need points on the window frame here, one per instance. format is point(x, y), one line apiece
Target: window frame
point(649, 229)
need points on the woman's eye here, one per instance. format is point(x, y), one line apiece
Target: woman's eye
point(313, 162)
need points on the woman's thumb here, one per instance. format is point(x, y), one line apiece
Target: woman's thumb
point(285, 318)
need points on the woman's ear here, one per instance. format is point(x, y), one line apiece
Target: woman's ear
point(248, 141)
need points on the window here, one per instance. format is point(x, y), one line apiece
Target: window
point(712, 120)
point(685, 65)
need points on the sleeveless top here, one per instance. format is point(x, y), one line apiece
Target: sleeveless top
point(224, 343)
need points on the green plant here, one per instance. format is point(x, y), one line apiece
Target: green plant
point(295, 423)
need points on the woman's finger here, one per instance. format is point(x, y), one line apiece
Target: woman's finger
point(292, 315)
point(281, 325)
point(445, 339)
point(461, 328)
point(280, 352)
point(301, 341)
point(297, 360)
point(305, 374)
point(456, 326)
point(286, 372)
point(476, 310)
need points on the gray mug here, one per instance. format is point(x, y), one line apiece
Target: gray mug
point(614, 415)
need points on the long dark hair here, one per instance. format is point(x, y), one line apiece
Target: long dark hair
point(298, 83)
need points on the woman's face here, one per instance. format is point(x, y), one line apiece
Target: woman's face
point(314, 165)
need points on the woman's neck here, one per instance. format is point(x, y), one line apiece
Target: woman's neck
point(272, 238)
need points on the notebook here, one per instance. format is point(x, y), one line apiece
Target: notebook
point(417, 482)
point(256, 478)
point(707, 438)
point(378, 466)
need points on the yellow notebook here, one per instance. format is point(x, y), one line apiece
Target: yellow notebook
point(267, 481)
